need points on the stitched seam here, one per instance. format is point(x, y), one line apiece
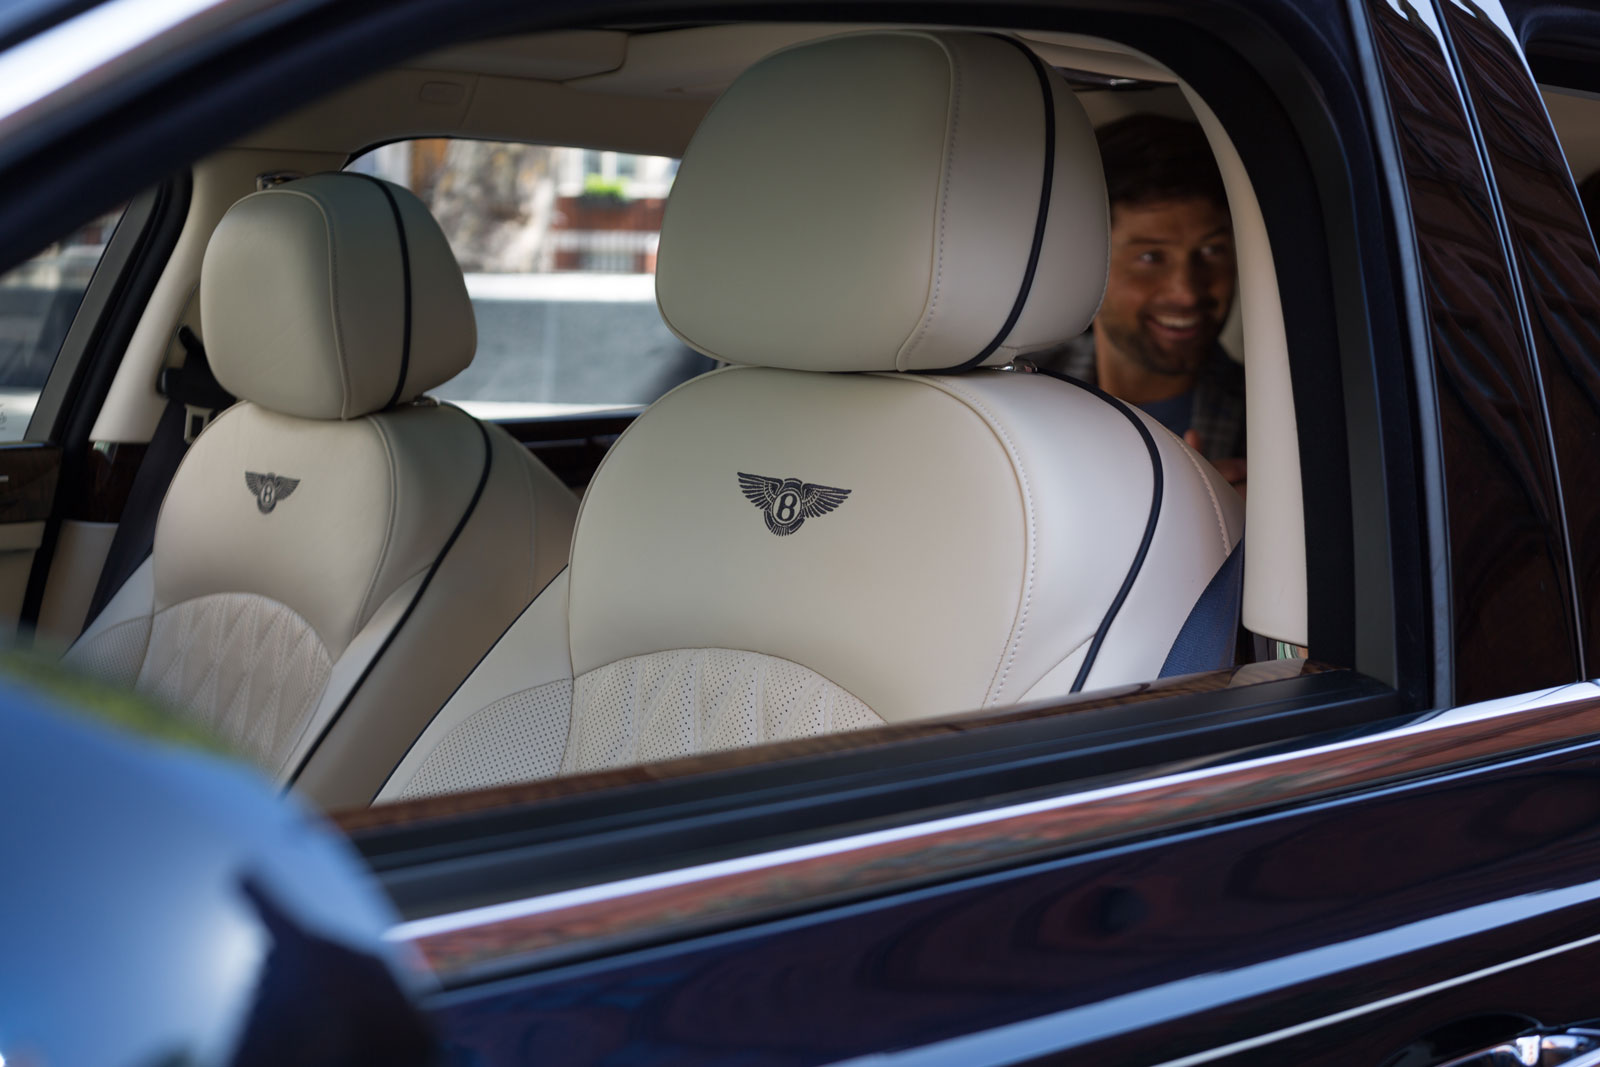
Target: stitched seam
point(1073, 651)
point(904, 359)
point(573, 708)
point(333, 291)
point(211, 683)
point(762, 661)
point(1014, 642)
point(365, 610)
point(583, 502)
point(339, 358)
point(763, 711)
point(1216, 505)
point(101, 640)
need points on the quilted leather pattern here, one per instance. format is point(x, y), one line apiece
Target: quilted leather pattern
point(115, 654)
point(246, 666)
point(688, 701)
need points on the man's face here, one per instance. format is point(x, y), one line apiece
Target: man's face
point(1171, 282)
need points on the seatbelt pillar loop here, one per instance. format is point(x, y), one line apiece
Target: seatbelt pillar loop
point(195, 419)
point(194, 386)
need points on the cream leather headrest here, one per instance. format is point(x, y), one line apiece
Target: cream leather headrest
point(887, 201)
point(333, 297)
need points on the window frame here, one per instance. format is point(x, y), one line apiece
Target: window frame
point(441, 855)
point(1375, 617)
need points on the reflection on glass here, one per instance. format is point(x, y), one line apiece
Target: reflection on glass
point(1560, 279)
point(38, 300)
point(1511, 603)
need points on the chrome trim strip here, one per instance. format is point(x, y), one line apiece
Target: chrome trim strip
point(421, 931)
point(1207, 992)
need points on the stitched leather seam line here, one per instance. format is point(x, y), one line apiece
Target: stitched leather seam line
point(1047, 94)
point(333, 298)
point(1149, 527)
point(1216, 505)
point(944, 210)
point(366, 672)
point(365, 608)
point(992, 421)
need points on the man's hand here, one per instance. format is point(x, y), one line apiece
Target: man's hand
point(1231, 469)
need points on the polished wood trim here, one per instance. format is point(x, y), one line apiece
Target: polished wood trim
point(727, 894)
point(109, 471)
point(28, 491)
point(454, 805)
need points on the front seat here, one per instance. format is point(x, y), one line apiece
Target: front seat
point(336, 551)
point(865, 521)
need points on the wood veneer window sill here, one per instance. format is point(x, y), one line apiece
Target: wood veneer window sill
point(454, 805)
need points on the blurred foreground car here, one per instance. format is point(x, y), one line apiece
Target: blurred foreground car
point(1372, 837)
point(201, 919)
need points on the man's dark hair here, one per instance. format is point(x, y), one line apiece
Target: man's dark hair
point(1148, 158)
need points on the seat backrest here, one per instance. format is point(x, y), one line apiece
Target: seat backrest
point(867, 521)
point(336, 551)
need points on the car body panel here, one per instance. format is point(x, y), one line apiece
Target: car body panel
point(1135, 953)
point(1249, 899)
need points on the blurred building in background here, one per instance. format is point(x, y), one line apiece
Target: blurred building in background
point(558, 246)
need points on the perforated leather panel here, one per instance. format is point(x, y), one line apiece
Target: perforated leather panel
point(518, 738)
point(245, 666)
point(115, 654)
point(670, 704)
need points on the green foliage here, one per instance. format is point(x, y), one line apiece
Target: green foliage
point(599, 187)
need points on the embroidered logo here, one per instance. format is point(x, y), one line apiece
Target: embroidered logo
point(786, 503)
point(268, 489)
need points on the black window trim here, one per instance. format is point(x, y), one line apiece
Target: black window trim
point(81, 377)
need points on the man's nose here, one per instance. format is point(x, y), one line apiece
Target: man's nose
point(1189, 285)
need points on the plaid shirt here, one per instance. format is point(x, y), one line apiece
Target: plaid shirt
point(1218, 414)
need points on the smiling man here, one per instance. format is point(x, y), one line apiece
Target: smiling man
point(1169, 288)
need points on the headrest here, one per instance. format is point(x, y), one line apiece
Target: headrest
point(907, 201)
point(333, 297)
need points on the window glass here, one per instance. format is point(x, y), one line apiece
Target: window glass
point(558, 246)
point(1560, 280)
point(38, 300)
point(1512, 603)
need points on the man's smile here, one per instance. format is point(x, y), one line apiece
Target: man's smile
point(1172, 327)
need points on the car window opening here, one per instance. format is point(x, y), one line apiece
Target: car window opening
point(558, 247)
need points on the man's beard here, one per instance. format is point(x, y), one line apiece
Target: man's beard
point(1153, 358)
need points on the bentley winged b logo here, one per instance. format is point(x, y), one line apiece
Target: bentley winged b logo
point(786, 503)
point(268, 489)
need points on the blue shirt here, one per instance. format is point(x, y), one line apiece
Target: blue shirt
point(1175, 413)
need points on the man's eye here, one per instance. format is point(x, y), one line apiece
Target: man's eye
point(1216, 251)
point(1149, 257)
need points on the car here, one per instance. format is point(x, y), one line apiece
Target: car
point(1367, 835)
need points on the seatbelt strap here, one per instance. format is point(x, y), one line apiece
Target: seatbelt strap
point(193, 399)
point(194, 386)
point(1207, 640)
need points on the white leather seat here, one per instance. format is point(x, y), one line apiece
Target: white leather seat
point(336, 551)
point(851, 527)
